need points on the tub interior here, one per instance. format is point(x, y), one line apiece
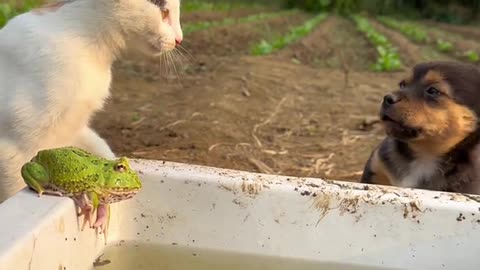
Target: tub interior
point(194, 217)
point(144, 256)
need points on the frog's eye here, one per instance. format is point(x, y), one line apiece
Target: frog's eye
point(120, 167)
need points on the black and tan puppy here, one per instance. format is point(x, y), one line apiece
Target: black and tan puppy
point(433, 134)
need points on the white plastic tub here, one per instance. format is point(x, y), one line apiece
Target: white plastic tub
point(192, 217)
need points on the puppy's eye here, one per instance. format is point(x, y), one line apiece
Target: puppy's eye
point(402, 84)
point(432, 91)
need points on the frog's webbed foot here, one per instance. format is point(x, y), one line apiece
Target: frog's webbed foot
point(87, 212)
point(86, 209)
point(103, 218)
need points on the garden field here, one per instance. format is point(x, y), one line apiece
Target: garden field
point(271, 90)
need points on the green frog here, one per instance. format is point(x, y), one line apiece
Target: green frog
point(92, 182)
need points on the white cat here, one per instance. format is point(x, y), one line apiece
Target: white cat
point(55, 65)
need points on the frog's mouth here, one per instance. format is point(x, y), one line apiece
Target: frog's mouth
point(118, 194)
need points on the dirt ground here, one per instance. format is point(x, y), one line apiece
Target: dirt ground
point(307, 110)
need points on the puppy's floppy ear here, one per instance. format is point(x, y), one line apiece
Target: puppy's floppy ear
point(464, 81)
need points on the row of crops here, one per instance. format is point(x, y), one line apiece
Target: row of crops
point(11, 8)
point(418, 34)
point(388, 57)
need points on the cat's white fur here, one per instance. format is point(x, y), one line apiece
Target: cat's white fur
point(55, 73)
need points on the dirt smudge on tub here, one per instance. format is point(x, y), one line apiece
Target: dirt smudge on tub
point(239, 203)
point(325, 202)
point(227, 188)
point(167, 218)
point(61, 226)
point(346, 198)
point(349, 205)
point(412, 208)
point(322, 203)
point(252, 187)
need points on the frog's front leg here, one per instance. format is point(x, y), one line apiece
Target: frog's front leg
point(86, 208)
point(35, 176)
point(103, 219)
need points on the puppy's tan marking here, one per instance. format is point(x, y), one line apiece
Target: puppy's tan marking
point(432, 77)
point(443, 129)
point(436, 79)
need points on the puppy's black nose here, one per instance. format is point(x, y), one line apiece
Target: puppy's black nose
point(390, 99)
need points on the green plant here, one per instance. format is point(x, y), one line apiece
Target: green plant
point(189, 6)
point(202, 5)
point(10, 9)
point(472, 56)
point(444, 10)
point(6, 13)
point(388, 58)
point(345, 6)
point(412, 31)
point(338, 6)
point(296, 33)
point(263, 48)
point(193, 27)
point(444, 46)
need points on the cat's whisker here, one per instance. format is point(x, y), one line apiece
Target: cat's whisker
point(168, 64)
point(163, 65)
point(172, 64)
point(161, 61)
point(181, 59)
point(169, 61)
point(186, 56)
point(173, 59)
point(183, 49)
point(179, 63)
point(170, 55)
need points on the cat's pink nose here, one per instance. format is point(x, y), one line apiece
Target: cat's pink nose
point(178, 41)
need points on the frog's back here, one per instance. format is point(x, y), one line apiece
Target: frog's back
point(72, 169)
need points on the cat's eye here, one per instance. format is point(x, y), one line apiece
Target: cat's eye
point(165, 13)
point(402, 84)
point(120, 168)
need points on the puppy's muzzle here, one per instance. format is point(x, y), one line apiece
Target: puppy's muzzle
point(389, 100)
